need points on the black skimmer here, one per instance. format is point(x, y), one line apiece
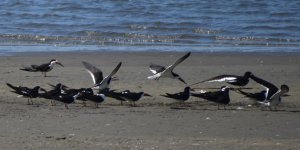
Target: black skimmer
point(272, 96)
point(219, 97)
point(88, 94)
point(67, 98)
point(259, 96)
point(97, 75)
point(43, 67)
point(230, 79)
point(26, 92)
point(55, 92)
point(181, 96)
point(113, 94)
point(167, 72)
point(132, 97)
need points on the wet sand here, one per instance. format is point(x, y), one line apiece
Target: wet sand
point(157, 122)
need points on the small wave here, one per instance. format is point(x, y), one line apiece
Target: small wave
point(294, 28)
point(283, 14)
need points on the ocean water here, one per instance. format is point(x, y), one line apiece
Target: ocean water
point(150, 25)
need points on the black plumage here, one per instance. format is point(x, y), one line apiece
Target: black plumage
point(26, 92)
point(181, 96)
point(43, 67)
point(219, 97)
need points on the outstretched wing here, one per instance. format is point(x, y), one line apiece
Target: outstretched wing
point(95, 73)
point(179, 60)
point(115, 70)
point(222, 78)
point(270, 88)
point(156, 68)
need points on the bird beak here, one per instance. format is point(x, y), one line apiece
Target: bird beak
point(146, 94)
point(285, 95)
point(181, 80)
point(59, 63)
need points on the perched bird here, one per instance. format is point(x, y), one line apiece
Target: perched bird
point(113, 94)
point(167, 72)
point(88, 94)
point(230, 79)
point(132, 97)
point(181, 96)
point(259, 96)
point(97, 75)
point(219, 97)
point(26, 92)
point(44, 68)
point(67, 98)
point(272, 96)
point(54, 93)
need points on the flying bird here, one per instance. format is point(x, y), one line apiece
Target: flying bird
point(272, 96)
point(97, 75)
point(230, 79)
point(167, 72)
point(44, 68)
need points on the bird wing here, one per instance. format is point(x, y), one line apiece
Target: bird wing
point(179, 61)
point(115, 70)
point(156, 68)
point(40, 67)
point(13, 87)
point(95, 73)
point(30, 69)
point(222, 78)
point(271, 89)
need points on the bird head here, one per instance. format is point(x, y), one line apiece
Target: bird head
point(284, 88)
point(186, 89)
point(55, 61)
point(248, 74)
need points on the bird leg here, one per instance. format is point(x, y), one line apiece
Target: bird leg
point(31, 101)
point(224, 107)
point(218, 107)
point(28, 103)
point(84, 103)
point(121, 102)
point(96, 105)
point(66, 106)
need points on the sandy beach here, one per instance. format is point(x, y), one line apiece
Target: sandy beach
point(157, 122)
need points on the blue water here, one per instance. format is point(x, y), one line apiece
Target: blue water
point(144, 25)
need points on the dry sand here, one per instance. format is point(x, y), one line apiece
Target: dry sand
point(157, 123)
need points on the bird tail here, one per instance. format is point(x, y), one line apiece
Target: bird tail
point(30, 69)
point(11, 86)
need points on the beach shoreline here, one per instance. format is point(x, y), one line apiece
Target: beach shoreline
point(157, 123)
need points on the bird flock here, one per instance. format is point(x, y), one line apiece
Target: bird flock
point(269, 97)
